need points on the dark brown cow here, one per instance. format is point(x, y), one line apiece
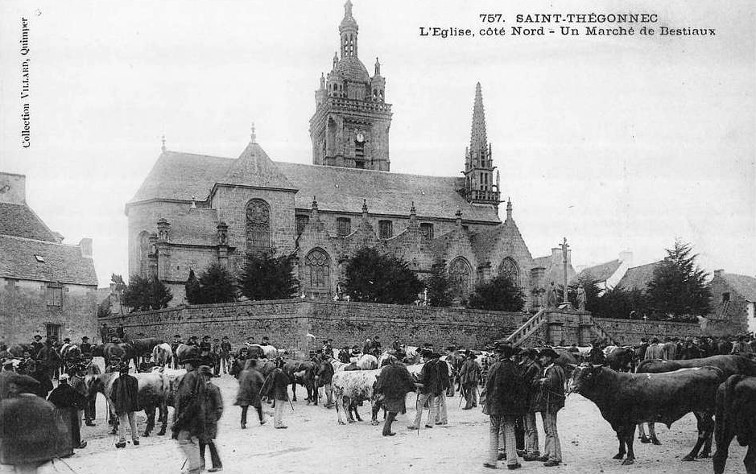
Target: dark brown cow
point(143, 347)
point(729, 364)
point(736, 416)
point(626, 400)
point(302, 371)
point(621, 359)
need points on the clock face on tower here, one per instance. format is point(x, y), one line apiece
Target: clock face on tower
point(360, 137)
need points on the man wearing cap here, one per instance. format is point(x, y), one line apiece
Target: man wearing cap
point(68, 403)
point(189, 415)
point(505, 401)
point(250, 385)
point(549, 401)
point(275, 387)
point(85, 346)
point(469, 376)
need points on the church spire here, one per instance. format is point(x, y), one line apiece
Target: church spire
point(479, 156)
point(480, 187)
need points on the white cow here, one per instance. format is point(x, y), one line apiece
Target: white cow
point(351, 388)
point(162, 354)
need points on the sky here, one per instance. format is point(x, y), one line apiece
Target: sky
point(614, 142)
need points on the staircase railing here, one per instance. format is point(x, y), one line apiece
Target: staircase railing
point(528, 328)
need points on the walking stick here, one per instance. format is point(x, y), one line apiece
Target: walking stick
point(290, 404)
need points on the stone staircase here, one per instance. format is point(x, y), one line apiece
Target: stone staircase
point(528, 328)
point(600, 332)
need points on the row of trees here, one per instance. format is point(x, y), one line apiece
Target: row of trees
point(678, 288)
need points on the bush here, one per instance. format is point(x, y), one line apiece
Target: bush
point(267, 277)
point(144, 294)
point(216, 285)
point(498, 294)
point(377, 278)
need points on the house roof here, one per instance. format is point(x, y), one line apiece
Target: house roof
point(27, 259)
point(601, 272)
point(744, 285)
point(19, 220)
point(182, 176)
point(544, 262)
point(638, 277)
point(484, 242)
point(254, 168)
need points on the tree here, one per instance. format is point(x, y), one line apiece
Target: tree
point(378, 278)
point(192, 289)
point(497, 294)
point(679, 286)
point(591, 288)
point(438, 286)
point(216, 285)
point(267, 277)
point(143, 294)
point(621, 303)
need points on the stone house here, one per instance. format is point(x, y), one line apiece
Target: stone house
point(46, 287)
point(734, 300)
point(607, 275)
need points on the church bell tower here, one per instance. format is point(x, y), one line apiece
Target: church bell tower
point(350, 127)
point(480, 187)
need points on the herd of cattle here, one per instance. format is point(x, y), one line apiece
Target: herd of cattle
point(720, 387)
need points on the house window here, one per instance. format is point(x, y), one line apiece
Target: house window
point(725, 297)
point(460, 278)
point(426, 229)
point(386, 229)
point(53, 331)
point(343, 226)
point(54, 294)
point(258, 225)
point(302, 221)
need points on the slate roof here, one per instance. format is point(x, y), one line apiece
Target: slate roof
point(601, 272)
point(744, 285)
point(20, 221)
point(485, 242)
point(184, 175)
point(62, 263)
point(638, 277)
point(343, 189)
point(254, 168)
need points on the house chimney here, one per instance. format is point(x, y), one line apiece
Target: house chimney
point(626, 256)
point(85, 245)
point(12, 188)
point(718, 273)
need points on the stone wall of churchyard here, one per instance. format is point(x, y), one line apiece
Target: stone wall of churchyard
point(26, 309)
point(629, 331)
point(289, 322)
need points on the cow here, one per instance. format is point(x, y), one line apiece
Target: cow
point(350, 389)
point(154, 391)
point(123, 351)
point(302, 371)
point(729, 364)
point(143, 347)
point(162, 354)
point(621, 359)
point(367, 362)
point(736, 417)
point(626, 400)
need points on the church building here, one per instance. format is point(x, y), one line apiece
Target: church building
point(194, 210)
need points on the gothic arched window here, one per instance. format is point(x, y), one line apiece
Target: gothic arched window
point(258, 225)
point(143, 253)
point(460, 277)
point(510, 268)
point(317, 273)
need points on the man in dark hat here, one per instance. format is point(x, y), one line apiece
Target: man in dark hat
point(549, 401)
point(189, 416)
point(275, 387)
point(36, 345)
point(225, 353)
point(469, 376)
point(85, 347)
point(213, 406)
point(432, 383)
point(505, 401)
point(531, 372)
point(393, 384)
point(68, 403)
point(125, 398)
point(206, 344)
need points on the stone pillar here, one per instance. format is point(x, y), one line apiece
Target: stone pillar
point(152, 256)
point(537, 291)
point(223, 244)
